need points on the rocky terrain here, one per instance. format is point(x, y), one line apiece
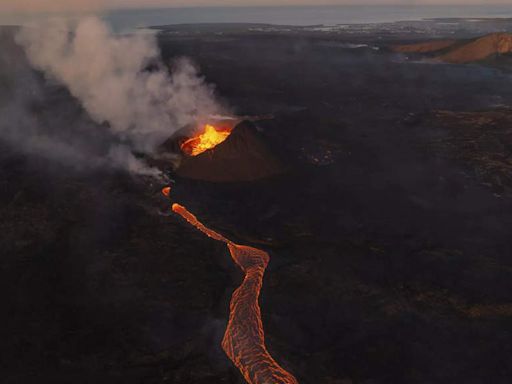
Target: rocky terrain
point(482, 140)
point(389, 236)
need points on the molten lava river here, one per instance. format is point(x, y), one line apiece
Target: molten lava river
point(244, 340)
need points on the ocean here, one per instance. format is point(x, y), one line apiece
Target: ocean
point(127, 19)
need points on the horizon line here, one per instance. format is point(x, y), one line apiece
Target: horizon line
point(149, 7)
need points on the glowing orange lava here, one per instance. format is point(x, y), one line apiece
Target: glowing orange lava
point(210, 138)
point(244, 340)
point(166, 191)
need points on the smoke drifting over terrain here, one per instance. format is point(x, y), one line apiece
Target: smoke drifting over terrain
point(106, 73)
point(120, 81)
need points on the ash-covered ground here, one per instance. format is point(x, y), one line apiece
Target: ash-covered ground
point(389, 237)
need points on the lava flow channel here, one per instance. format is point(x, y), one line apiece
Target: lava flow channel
point(244, 340)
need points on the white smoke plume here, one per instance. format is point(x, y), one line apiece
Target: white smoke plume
point(69, 139)
point(120, 81)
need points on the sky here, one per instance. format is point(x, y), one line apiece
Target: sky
point(9, 6)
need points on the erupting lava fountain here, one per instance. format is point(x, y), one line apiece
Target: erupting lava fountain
point(208, 139)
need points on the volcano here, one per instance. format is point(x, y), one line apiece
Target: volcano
point(238, 155)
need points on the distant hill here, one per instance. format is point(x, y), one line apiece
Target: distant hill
point(462, 51)
point(424, 47)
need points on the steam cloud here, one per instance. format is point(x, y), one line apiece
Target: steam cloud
point(121, 82)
